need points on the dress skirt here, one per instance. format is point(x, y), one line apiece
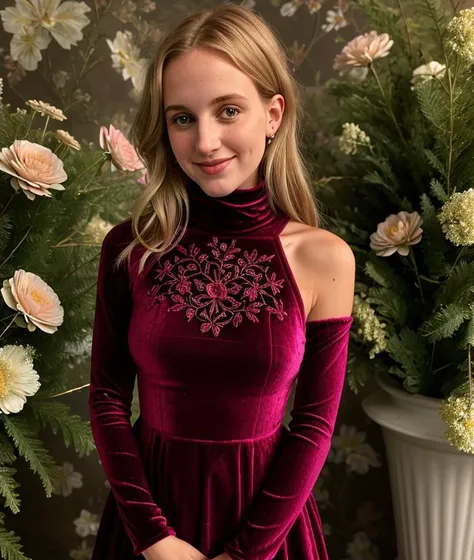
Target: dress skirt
point(203, 489)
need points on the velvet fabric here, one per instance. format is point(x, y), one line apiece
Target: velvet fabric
point(215, 334)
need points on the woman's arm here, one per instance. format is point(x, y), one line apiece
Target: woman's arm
point(112, 380)
point(304, 449)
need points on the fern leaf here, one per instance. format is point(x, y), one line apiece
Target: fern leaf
point(10, 547)
point(432, 102)
point(409, 350)
point(8, 486)
point(445, 322)
point(389, 304)
point(438, 191)
point(459, 285)
point(32, 450)
point(72, 427)
point(435, 162)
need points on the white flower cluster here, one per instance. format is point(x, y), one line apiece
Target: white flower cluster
point(352, 136)
point(370, 329)
point(457, 218)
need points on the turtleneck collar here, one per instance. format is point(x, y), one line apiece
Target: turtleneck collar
point(242, 212)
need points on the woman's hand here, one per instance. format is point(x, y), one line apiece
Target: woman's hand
point(224, 556)
point(172, 548)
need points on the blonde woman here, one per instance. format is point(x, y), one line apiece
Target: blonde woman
point(218, 294)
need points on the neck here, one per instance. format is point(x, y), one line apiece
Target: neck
point(242, 212)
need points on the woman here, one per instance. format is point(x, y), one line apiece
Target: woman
point(231, 291)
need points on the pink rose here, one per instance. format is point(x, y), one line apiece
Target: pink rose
point(124, 155)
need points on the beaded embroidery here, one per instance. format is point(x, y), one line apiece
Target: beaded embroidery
point(207, 286)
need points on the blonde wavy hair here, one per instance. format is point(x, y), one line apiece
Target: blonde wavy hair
point(248, 42)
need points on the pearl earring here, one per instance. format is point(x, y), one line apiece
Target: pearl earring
point(269, 141)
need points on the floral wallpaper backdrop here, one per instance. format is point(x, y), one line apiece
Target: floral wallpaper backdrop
point(87, 58)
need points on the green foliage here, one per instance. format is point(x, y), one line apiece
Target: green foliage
point(57, 416)
point(421, 153)
point(48, 236)
point(10, 549)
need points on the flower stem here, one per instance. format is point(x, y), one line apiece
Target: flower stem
point(412, 255)
point(69, 391)
point(410, 48)
point(45, 127)
point(9, 324)
point(99, 161)
point(470, 379)
point(389, 107)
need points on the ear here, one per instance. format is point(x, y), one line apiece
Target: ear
point(275, 110)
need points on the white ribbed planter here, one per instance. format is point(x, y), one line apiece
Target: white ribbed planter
point(432, 482)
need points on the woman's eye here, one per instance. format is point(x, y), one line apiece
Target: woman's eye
point(176, 119)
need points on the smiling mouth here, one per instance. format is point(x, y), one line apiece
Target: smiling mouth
point(213, 164)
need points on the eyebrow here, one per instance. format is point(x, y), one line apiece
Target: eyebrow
point(215, 101)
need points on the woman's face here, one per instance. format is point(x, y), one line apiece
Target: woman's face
point(203, 128)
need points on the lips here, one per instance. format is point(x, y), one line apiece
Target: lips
point(217, 162)
point(216, 168)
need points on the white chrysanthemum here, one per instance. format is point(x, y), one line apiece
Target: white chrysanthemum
point(352, 136)
point(18, 378)
point(66, 138)
point(457, 218)
point(461, 34)
point(427, 72)
point(44, 108)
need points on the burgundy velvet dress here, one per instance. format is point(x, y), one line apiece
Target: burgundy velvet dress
point(215, 333)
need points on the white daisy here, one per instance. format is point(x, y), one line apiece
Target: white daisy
point(289, 9)
point(67, 480)
point(126, 58)
point(18, 378)
point(64, 22)
point(26, 45)
point(87, 523)
point(361, 548)
point(84, 552)
point(335, 20)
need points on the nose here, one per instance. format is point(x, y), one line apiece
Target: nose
point(207, 137)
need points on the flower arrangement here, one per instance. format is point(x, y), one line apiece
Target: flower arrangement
point(399, 171)
point(51, 187)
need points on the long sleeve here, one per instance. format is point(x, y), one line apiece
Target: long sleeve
point(305, 447)
point(113, 374)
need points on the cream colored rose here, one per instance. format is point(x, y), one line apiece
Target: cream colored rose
point(427, 72)
point(397, 233)
point(363, 50)
point(28, 293)
point(66, 138)
point(123, 154)
point(35, 169)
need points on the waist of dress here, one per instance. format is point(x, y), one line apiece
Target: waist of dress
point(208, 417)
point(143, 424)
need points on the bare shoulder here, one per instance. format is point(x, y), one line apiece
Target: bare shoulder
point(331, 262)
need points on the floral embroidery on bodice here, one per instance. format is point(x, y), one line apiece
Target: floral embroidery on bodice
point(219, 287)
